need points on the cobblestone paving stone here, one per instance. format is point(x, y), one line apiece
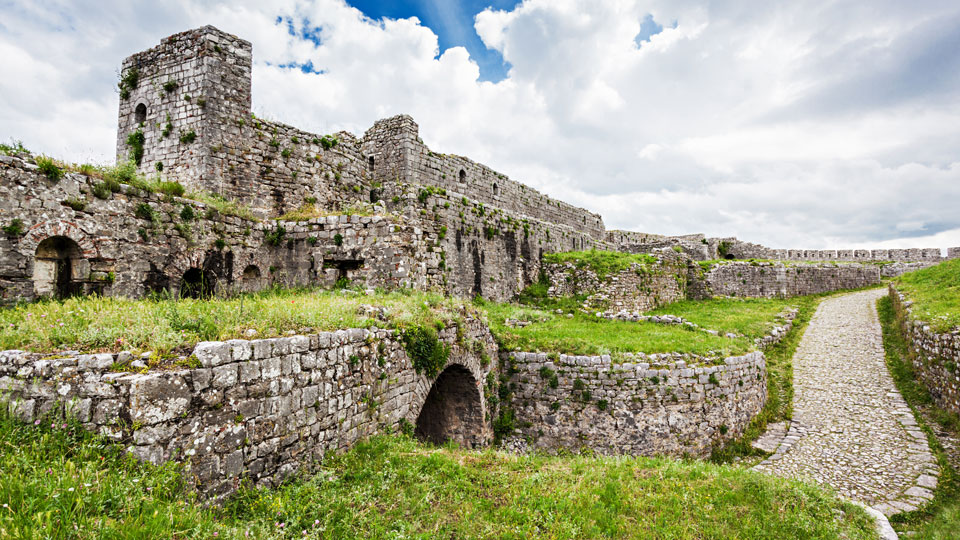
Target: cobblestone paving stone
point(851, 429)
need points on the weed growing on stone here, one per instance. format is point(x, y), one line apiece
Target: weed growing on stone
point(49, 168)
point(603, 263)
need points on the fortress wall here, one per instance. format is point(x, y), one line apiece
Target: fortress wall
point(639, 288)
point(657, 404)
point(119, 253)
point(398, 151)
point(479, 249)
point(778, 280)
point(738, 249)
point(257, 410)
point(935, 356)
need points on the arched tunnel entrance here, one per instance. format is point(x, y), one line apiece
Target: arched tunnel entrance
point(453, 410)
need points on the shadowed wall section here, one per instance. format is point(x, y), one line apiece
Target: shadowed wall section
point(452, 410)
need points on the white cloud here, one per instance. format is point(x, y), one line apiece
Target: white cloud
point(796, 127)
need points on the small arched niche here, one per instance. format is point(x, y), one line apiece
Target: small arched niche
point(453, 410)
point(250, 280)
point(58, 268)
point(140, 113)
point(370, 163)
point(463, 176)
point(197, 283)
point(496, 190)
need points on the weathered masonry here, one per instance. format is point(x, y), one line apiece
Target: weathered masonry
point(935, 356)
point(262, 409)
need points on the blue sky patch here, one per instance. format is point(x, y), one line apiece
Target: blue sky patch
point(648, 29)
point(452, 21)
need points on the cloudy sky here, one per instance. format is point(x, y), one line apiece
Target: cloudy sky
point(793, 124)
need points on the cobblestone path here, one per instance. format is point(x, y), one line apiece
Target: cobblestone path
point(851, 429)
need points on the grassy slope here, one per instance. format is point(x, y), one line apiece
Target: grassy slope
point(936, 294)
point(940, 520)
point(111, 324)
point(60, 485)
point(601, 262)
point(588, 334)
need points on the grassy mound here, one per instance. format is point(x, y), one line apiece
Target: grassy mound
point(601, 262)
point(61, 483)
point(586, 334)
point(93, 324)
point(936, 294)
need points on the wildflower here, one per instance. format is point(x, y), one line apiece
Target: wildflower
point(71, 489)
point(43, 316)
point(37, 423)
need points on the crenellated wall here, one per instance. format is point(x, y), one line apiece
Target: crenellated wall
point(259, 410)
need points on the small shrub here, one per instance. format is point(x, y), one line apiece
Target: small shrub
point(186, 213)
point(14, 228)
point(128, 82)
point(167, 128)
point(75, 203)
point(395, 199)
point(174, 189)
point(555, 406)
point(425, 350)
point(443, 233)
point(188, 137)
point(49, 168)
point(712, 379)
point(312, 240)
point(602, 404)
point(294, 140)
point(724, 429)
point(145, 211)
point(170, 86)
point(286, 153)
point(406, 427)
point(15, 147)
point(328, 142)
point(135, 141)
point(338, 239)
point(274, 143)
point(101, 190)
point(142, 233)
point(275, 237)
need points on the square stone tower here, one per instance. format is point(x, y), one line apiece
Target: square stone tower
point(181, 101)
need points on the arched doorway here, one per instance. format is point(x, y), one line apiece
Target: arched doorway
point(197, 283)
point(452, 410)
point(57, 268)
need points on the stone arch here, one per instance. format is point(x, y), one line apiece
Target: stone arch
point(453, 410)
point(197, 283)
point(140, 113)
point(45, 229)
point(463, 176)
point(58, 268)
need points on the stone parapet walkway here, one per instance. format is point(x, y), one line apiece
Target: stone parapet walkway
point(851, 429)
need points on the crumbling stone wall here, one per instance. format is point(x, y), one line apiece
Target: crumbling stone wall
point(257, 410)
point(935, 356)
point(638, 288)
point(399, 153)
point(134, 243)
point(647, 405)
point(756, 279)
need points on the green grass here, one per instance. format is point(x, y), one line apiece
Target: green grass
point(747, 316)
point(939, 520)
point(60, 483)
point(936, 294)
point(112, 324)
point(601, 262)
point(586, 334)
point(779, 405)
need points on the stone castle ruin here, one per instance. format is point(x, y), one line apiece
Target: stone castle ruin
point(386, 211)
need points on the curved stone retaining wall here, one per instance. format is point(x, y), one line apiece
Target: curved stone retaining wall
point(935, 356)
point(657, 404)
point(256, 410)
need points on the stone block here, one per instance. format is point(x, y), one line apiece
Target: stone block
point(158, 397)
point(212, 353)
